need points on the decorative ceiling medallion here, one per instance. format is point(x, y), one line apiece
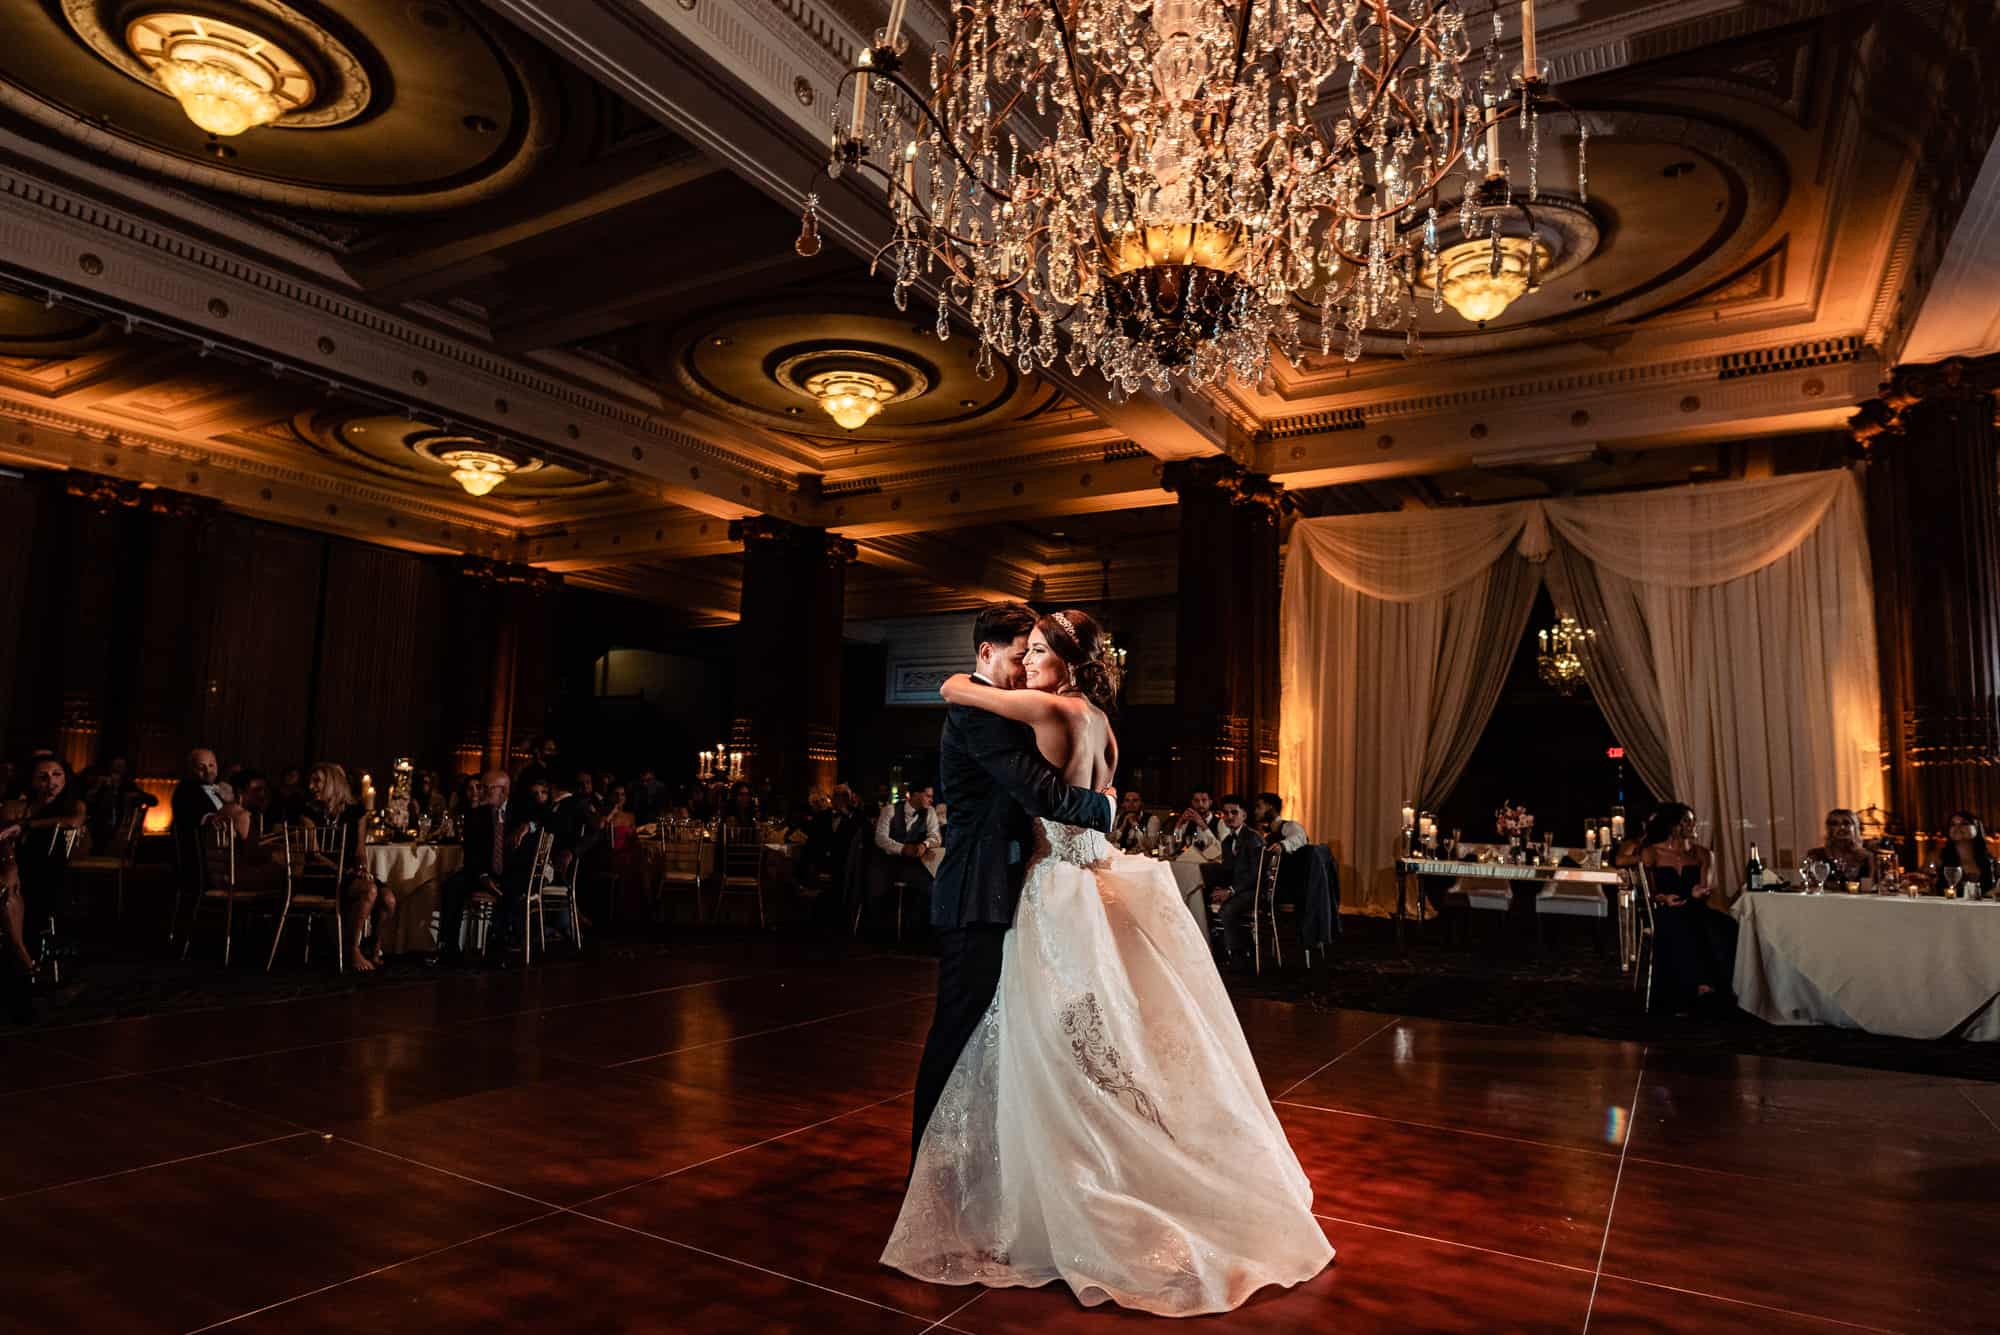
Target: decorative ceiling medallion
point(1479, 286)
point(227, 79)
point(477, 464)
point(311, 78)
point(850, 384)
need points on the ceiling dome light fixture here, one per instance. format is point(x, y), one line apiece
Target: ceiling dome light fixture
point(478, 471)
point(851, 398)
point(1160, 184)
point(1481, 279)
point(227, 78)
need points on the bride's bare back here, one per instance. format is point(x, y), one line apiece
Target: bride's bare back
point(1077, 739)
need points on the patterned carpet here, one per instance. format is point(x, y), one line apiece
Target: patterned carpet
point(1568, 988)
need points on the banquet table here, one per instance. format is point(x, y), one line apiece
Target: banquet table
point(1529, 878)
point(416, 874)
point(1887, 964)
point(1187, 876)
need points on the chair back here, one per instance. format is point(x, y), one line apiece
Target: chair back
point(742, 855)
point(1269, 863)
point(126, 841)
point(218, 854)
point(684, 853)
point(538, 870)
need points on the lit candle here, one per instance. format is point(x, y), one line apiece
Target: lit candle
point(1527, 38)
point(895, 24)
point(1409, 817)
point(1604, 836)
point(1589, 838)
point(1493, 141)
point(910, 171)
point(861, 77)
point(1617, 827)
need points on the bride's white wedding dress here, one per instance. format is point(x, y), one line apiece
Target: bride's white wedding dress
point(1106, 1125)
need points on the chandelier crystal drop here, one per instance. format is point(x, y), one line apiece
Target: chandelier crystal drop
point(1564, 656)
point(1165, 188)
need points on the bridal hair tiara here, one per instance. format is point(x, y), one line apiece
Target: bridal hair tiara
point(1068, 629)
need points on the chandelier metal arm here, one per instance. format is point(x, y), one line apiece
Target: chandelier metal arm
point(1075, 82)
point(943, 130)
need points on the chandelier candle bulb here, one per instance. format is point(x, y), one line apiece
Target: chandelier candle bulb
point(1527, 40)
point(894, 28)
point(861, 77)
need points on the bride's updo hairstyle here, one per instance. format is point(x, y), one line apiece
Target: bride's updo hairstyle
point(1077, 640)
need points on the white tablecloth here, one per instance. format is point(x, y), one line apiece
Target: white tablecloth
point(416, 873)
point(1918, 968)
point(1187, 875)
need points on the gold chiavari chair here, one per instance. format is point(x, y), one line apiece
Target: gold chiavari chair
point(225, 886)
point(686, 849)
point(116, 860)
point(531, 903)
point(561, 893)
point(316, 890)
point(742, 871)
point(1264, 908)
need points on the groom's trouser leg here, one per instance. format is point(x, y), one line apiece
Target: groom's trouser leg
point(968, 976)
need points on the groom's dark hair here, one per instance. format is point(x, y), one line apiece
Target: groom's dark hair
point(1002, 623)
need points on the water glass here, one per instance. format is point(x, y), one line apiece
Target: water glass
point(1952, 876)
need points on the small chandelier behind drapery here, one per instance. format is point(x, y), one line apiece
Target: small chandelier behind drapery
point(1564, 655)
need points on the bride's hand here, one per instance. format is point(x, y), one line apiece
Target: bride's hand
point(954, 686)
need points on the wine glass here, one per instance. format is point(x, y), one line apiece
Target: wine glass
point(1952, 876)
point(1815, 872)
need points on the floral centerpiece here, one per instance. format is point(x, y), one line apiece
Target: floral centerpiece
point(1513, 821)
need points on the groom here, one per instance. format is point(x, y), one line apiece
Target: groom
point(995, 783)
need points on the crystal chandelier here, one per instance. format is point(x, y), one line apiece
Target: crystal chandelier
point(851, 398)
point(1166, 189)
point(1564, 655)
point(227, 78)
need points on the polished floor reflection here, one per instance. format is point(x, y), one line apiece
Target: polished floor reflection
point(716, 1141)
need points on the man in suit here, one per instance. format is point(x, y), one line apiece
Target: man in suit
point(1232, 881)
point(498, 856)
point(996, 784)
point(198, 798)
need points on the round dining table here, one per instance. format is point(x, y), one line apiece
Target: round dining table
point(416, 874)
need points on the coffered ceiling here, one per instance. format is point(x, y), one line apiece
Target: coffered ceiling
point(565, 228)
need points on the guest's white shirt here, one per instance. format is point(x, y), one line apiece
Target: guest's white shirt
point(1148, 832)
point(933, 839)
point(1290, 836)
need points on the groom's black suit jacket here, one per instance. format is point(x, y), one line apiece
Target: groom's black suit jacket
point(995, 783)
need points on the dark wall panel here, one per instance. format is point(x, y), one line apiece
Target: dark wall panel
point(256, 674)
point(382, 657)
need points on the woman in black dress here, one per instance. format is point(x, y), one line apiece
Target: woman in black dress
point(1965, 847)
point(331, 806)
point(1694, 948)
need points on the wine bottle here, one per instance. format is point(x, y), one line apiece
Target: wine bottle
point(1753, 871)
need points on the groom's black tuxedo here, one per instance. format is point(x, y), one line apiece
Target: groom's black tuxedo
point(995, 783)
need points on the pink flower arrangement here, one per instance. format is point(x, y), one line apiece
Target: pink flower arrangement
point(1512, 819)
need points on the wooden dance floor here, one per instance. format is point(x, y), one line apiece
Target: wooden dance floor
point(716, 1142)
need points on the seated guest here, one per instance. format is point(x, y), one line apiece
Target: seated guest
point(13, 906)
point(904, 833)
point(1848, 858)
point(250, 806)
point(830, 834)
point(469, 797)
point(498, 858)
point(109, 794)
point(1965, 847)
point(196, 800)
point(1135, 830)
point(1694, 949)
point(1232, 877)
point(1269, 819)
point(331, 808)
point(741, 809)
point(646, 797)
point(1199, 827)
point(48, 819)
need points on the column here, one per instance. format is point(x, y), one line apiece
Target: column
point(788, 653)
point(504, 623)
point(1934, 539)
point(1226, 659)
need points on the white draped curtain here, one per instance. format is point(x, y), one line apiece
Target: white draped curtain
point(1735, 654)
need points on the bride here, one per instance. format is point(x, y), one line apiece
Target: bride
point(1105, 1125)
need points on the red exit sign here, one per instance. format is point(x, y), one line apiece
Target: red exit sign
point(1614, 753)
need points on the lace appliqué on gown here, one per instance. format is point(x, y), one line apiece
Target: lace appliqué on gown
point(1050, 1155)
point(1083, 1021)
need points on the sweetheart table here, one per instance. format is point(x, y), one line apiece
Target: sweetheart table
point(1887, 964)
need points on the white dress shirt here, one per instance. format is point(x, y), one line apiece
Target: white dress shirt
point(934, 838)
point(1290, 836)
